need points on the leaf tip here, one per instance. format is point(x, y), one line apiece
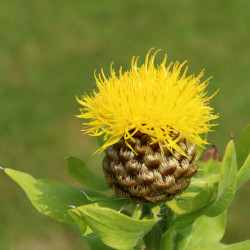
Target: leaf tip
point(232, 136)
point(1, 168)
point(231, 141)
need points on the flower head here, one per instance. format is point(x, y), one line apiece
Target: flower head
point(154, 100)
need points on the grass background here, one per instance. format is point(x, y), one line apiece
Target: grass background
point(48, 53)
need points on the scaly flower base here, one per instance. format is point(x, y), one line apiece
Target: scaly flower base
point(149, 174)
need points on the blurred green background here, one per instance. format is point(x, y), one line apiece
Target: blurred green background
point(48, 53)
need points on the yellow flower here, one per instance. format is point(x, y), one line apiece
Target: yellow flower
point(155, 100)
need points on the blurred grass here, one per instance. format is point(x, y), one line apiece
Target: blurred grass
point(48, 53)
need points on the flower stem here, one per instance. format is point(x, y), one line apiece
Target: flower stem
point(153, 238)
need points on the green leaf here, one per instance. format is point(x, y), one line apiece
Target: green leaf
point(200, 205)
point(209, 229)
point(117, 204)
point(185, 220)
point(83, 229)
point(191, 201)
point(203, 198)
point(114, 203)
point(155, 208)
point(244, 173)
point(182, 204)
point(81, 173)
point(207, 246)
point(206, 169)
point(244, 245)
point(200, 149)
point(242, 147)
point(208, 174)
point(114, 229)
point(95, 243)
point(50, 197)
point(137, 212)
point(182, 237)
point(140, 245)
point(177, 205)
point(228, 181)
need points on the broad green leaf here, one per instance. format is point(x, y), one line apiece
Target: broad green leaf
point(182, 237)
point(83, 230)
point(110, 202)
point(119, 205)
point(206, 169)
point(242, 147)
point(95, 243)
point(176, 206)
point(50, 197)
point(137, 212)
point(208, 174)
point(209, 229)
point(114, 229)
point(93, 196)
point(80, 172)
point(244, 173)
point(204, 229)
point(127, 205)
point(155, 208)
point(244, 245)
point(199, 206)
point(182, 204)
point(228, 181)
point(189, 195)
point(197, 184)
point(207, 246)
point(183, 221)
point(140, 245)
point(200, 149)
point(203, 198)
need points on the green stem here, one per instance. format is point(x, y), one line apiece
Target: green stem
point(167, 240)
point(154, 238)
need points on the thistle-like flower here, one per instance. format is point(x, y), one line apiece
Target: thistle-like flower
point(151, 118)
